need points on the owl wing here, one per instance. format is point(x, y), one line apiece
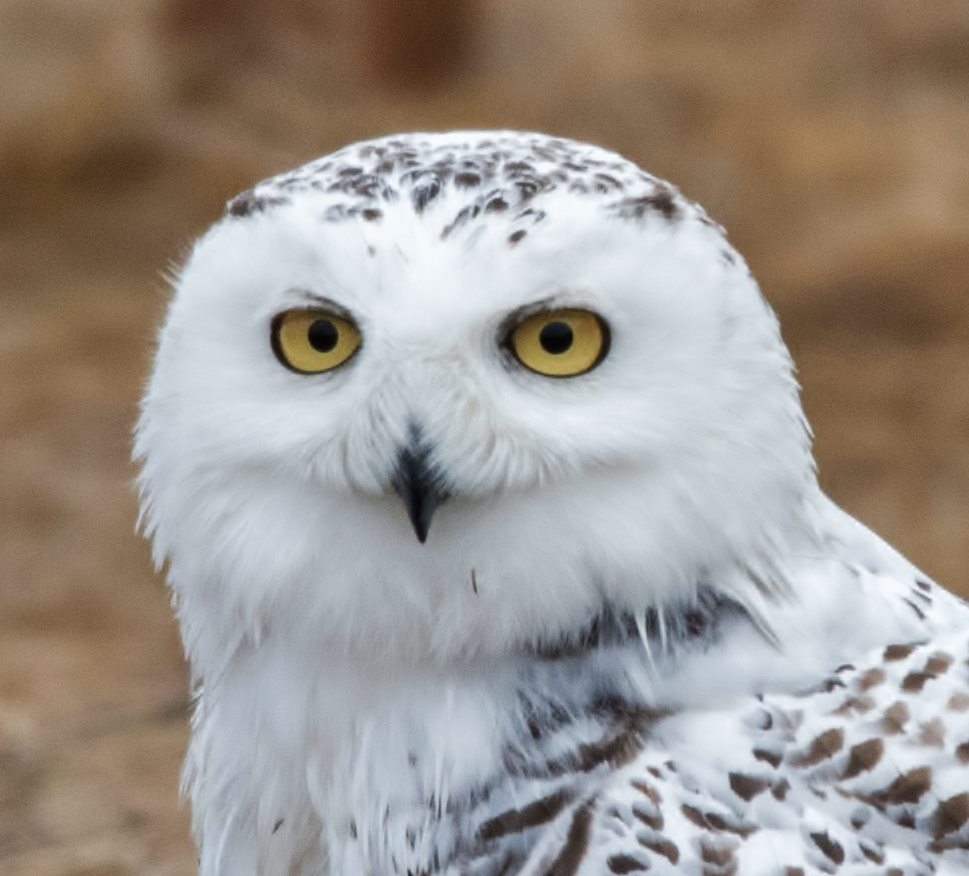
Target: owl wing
point(866, 773)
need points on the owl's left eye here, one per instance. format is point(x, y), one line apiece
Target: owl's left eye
point(564, 342)
point(312, 340)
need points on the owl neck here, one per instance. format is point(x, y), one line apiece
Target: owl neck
point(691, 623)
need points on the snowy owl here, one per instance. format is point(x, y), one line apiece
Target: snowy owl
point(479, 470)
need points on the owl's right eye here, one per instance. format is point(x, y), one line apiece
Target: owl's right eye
point(313, 340)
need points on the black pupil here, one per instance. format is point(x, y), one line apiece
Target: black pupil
point(556, 337)
point(323, 335)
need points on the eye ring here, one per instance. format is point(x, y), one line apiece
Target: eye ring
point(559, 343)
point(313, 340)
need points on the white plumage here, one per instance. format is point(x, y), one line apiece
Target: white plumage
point(630, 635)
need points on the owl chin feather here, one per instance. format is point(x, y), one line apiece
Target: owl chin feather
point(644, 536)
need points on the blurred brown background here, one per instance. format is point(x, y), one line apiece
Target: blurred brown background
point(830, 138)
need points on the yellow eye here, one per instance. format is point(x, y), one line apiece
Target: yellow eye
point(311, 341)
point(560, 343)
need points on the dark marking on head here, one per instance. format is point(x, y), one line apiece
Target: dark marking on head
point(915, 608)
point(922, 596)
point(249, 203)
point(424, 194)
point(464, 215)
point(531, 213)
point(467, 179)
point(336, 213)
point(516, 236)
point(661, 201)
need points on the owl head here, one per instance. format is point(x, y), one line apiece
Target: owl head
point(439, 396)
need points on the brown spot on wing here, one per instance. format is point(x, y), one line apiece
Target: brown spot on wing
point(720, 852)
point(938, 663)
point(933, 733)
point(662, 846)
point(958, 702)
point(899, 652)
point(962, 752)
point(907, 788)
point(950, 815)
point(747, 787)
point(823, 746)
point(569, 858)
point(870, 678)
point(855, 705)
point(831, 848)
point(731, 824)
point(915, 681)
point(863, 757)
point(872, 851)
point(626, 864)
point(517, 820)
point(647, 790)
point(652, 818)
point(767, 756)
point(896, 716)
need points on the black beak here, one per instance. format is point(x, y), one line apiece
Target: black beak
point(416, 482)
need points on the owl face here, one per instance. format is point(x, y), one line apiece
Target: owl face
point(454, 394)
